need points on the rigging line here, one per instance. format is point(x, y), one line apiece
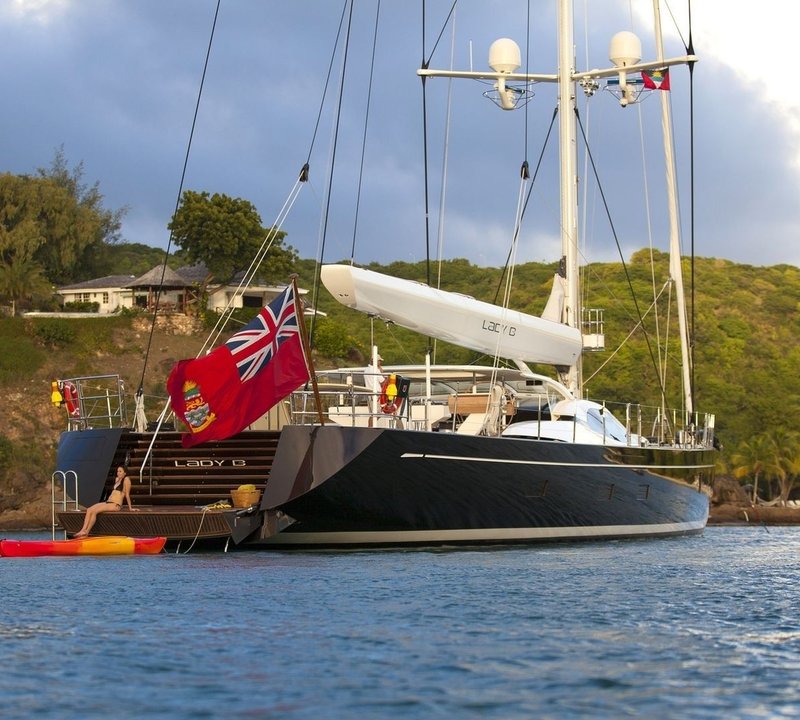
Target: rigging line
point(445, 157)
point(366, 124)
point(304, 173)
point(249, 274)
point(445, 160)
point(255, 263)
point(675, 24)
point(140, 390)
point(400, 345)
point(690, 51)
point(521, 199)
point(648, 218)
point(527, 200)
point(666, 334)
point(426, 63)
point(425, 179)
point(621, 257)
point(527, 72)
point(667, 284)
point(327, 83)
point(686, 320)
point(583, 240)
point(515, 242)
point(326, 214)
point(608, 288)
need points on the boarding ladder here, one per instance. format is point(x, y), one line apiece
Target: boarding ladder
point(60, 496)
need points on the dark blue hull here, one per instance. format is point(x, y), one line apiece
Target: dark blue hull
point(336, 486)
point(360, 486)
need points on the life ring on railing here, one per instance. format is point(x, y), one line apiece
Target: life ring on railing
point(390, 399)
point(71, 400)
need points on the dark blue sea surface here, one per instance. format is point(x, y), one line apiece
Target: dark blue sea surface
point(699, 627)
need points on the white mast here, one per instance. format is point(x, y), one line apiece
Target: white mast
point(569, 178)
point(504, 58)
point(676, 271)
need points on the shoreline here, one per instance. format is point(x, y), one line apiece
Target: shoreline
point(719, 514)
point(729, 514)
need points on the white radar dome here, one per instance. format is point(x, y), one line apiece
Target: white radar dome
point(504, 56)
point(625, 49)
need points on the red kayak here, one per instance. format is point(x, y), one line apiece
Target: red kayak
point(102, 545)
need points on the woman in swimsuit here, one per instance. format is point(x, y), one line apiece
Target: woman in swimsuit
point(120, 493)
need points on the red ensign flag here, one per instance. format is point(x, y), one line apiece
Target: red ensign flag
point(220, 394)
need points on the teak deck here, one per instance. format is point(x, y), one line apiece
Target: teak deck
point(178, 522)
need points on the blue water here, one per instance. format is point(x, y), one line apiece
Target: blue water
point(701, 627)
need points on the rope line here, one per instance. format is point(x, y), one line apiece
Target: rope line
point(140, 390)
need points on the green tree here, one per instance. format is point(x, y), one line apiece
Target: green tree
point(54, 221)
point(332, 339)
point(785, 458)
point(21, 278)
point(78, 227)
point(751, 459)
point(792, 461)
point(225, 234)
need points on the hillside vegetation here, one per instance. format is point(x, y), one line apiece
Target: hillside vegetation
point(746, 329)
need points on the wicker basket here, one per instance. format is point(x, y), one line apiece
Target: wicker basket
point(245, 498)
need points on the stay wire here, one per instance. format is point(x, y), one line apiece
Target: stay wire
point(521, 201)
point(426, 181)
point(666, 286)
point(140, 390)
point(426, 62)
point(688, 45)
point(527, 200)
point(527, 71)
point(692, 330)
point(326, 214)
point(445, 165)
point(440, 232)
point(255, 264)
point(327, 85)
point(366, 126)
point(621, 256)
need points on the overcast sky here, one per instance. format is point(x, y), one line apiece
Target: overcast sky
point(115, 83)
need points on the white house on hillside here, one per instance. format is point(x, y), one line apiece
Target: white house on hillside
point(107, 292)
point(178, 288)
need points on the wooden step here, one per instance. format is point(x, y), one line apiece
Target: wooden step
point(163, 482)
point(215, 487)
point(188, 499)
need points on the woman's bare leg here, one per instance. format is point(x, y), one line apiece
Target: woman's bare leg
point(91, 517)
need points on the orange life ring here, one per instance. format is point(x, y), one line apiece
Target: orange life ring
point(389, 400)
point(71, 400)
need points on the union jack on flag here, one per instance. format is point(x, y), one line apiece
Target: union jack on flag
point(257, 343)
point(218, 395)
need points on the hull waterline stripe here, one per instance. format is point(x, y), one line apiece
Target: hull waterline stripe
point(483, 534)
point(509, 461)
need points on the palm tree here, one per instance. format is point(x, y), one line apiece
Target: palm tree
point(21, 278)
point(786, 460)
point(751, 458)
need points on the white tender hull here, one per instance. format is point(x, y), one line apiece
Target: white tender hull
point(454, 318)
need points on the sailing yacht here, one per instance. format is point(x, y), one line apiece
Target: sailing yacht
point(444, 455)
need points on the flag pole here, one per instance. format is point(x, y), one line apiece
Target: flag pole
point(306, 348)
